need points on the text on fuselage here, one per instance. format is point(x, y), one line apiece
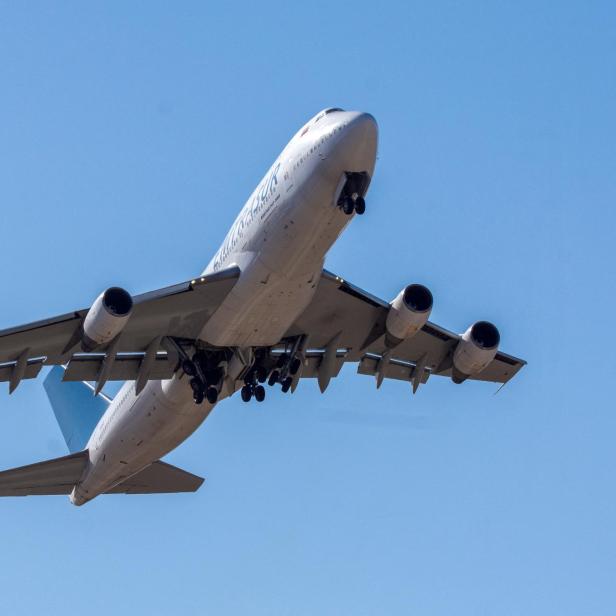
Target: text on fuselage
point(261, 197)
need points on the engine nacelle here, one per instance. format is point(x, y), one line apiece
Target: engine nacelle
point(475, 350)
point(407, 314)
point(106, 318)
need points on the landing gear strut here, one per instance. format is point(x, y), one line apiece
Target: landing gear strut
point(289, 365)
point(351, 198)
point(205, 369)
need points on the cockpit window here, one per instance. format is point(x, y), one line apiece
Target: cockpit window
point(332, 109)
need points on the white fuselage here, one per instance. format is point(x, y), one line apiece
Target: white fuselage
point(279, 241)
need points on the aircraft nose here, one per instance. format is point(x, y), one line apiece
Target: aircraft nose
point(362, 128)
point(358, 143)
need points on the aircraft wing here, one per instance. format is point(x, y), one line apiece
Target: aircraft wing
point(178, 311)
point(351, 323)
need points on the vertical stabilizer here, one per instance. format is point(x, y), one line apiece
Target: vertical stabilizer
point(75, 406)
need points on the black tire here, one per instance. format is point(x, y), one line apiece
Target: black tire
point(295, 365)
point(197, 385)
point(286, 384)
point(198, 397)
point(246, 393)
point(360, 205)
point(273, 378)
point(212, 395)
point(348, 206)
point(259, 393)
point(189, 367)
point(261, 374)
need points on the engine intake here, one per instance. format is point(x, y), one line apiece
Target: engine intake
point(476, 349)
point(106, 318)
point(407, 314)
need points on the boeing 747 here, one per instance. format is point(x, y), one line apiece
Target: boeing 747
point(264, 311)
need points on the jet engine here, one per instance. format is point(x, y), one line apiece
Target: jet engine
point(475, 351)
point(106, 318)
point(407, 314)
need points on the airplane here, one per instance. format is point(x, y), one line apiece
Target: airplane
point(264, 311)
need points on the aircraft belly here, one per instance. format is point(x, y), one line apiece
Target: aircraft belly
point(280, 281)
point(261, 307)
point(162, 417)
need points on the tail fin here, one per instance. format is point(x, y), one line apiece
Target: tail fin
point(75, 406)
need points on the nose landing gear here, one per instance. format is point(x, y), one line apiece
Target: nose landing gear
point(352, 204)
point(351, 198)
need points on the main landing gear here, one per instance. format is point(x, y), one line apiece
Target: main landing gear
point(283, 372)
point(248, 391)
point(205, 376)
point(252, 384)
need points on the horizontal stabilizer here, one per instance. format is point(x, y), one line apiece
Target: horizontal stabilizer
point(159, 478)
point(57, 476)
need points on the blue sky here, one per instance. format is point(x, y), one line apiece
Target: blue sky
point(130, 136)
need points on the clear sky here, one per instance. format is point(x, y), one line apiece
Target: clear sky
point(130, 136)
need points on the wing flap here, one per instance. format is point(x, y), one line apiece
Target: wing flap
point(159, 478)
point(57, 476)
point(87, 367)
point(392, 369)
point(33, 367)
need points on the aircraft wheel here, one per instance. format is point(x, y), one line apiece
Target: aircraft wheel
point(348, 206)
point(261, 374)
point(273, 379)
point(212, 395)
point(360, 205)
point(286, 384)
point(246, 393)
point(259, 393)
point(197, 385)
point(198, 397)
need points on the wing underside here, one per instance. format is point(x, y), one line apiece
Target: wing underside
point(342, 324)
point(179, 311)
point(345, 319)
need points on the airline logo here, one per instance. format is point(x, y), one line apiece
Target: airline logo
point(261, 198)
